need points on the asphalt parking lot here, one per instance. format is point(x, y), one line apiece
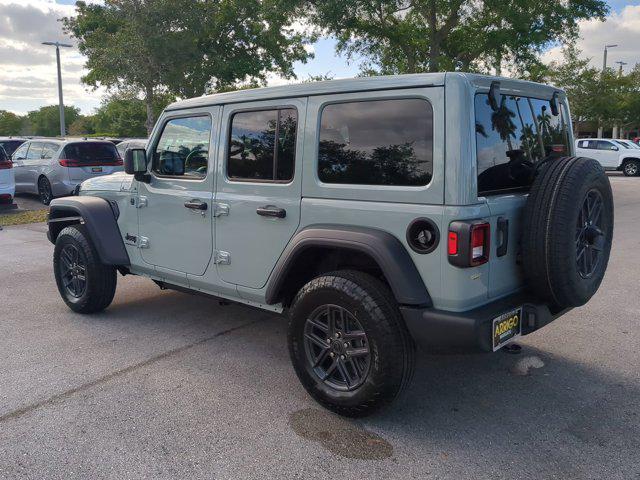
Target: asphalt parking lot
point(168, 385)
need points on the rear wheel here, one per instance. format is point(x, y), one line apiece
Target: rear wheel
point(631, 168)
point(348, 343)
point(85, 284)
point(44, 190)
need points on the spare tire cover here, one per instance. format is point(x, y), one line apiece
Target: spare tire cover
point(567, 231)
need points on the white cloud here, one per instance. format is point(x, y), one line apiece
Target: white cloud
point(28, 69)
point(620, 28)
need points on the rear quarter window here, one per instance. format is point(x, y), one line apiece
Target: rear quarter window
point(377, 142)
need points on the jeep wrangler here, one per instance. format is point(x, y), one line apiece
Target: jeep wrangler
point(440, 210)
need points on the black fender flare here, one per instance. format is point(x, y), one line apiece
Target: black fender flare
point(100, 219)
point(392, 257)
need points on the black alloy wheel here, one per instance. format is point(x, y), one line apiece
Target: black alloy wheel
point(590, 238)
point(337, 348)
point(73, 270)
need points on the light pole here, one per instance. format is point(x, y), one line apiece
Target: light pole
point(60, 102)
point(622, 64)
point(604, 59)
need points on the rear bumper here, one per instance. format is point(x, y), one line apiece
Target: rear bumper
point(471, 330)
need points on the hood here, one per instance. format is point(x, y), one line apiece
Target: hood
point(117, 182)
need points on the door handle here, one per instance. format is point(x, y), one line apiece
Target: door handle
point(271, 211)
point(195, 205)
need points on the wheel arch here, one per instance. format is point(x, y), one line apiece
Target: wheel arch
point(100, 219)
point(320, 248)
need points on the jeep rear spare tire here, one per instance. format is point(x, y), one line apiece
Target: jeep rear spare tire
point(568, 229)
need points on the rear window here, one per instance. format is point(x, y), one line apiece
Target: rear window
point(88, 152)
point(513, 139)
point(10, 146)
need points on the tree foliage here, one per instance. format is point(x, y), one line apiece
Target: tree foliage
point(10, 123)
point(408, 36)
point(184, 47)
point(46, 120)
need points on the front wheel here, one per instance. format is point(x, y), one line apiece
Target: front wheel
point(85, 284)
point(348, 343)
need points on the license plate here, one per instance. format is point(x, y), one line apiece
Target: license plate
point(506, 327)
point(96, 169)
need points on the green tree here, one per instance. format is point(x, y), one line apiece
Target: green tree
point(408, 36)
point(10, 123)
point(46, 120)
point(83, 125)
point(124, 115)
point(184, 47)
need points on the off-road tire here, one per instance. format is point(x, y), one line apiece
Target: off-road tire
point(631, 168)
point(101, 279)
point(391, 347)
point(550, 248)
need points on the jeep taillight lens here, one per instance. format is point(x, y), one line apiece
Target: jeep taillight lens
point(479, 244)
point(468, 243)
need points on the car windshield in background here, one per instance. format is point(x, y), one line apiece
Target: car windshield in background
point(11, 146)
point(91, 153)
point(513, 139)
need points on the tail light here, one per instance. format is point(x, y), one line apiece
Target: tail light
point(469, 242)
point(65, 162)
point(6, 164)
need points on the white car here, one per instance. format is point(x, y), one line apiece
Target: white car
point(612, 154)
point(7, 181)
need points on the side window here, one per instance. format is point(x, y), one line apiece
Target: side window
point(21, 152)
point(262, 145)
point(593, 144)
point(583, 144)
point(378, 142)
point(35, 151)
point(183, 148)
point(49, 150)
point(604, 145)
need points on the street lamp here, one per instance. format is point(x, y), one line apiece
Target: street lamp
point(604, 59)
point(622, 64)
point(60, 102)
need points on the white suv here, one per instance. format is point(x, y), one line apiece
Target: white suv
point(612, 154)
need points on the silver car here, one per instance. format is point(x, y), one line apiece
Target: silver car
point(53, 167)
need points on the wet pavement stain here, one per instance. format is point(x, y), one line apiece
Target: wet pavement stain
point(339, 436)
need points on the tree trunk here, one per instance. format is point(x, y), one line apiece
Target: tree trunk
point(148, 100)
point(434, 40)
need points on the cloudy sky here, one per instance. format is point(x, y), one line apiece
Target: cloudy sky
point(28, 69)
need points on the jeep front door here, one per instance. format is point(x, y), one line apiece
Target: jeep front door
point(259, 187)
point(175, 206)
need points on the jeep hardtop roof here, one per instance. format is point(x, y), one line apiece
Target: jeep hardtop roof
point(360, 84)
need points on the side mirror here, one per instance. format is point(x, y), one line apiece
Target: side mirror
point(135, 163)
point(613, 147)
point(494, 96)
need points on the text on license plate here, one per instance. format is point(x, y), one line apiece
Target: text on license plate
point(506, 327)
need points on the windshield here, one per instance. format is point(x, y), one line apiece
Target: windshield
point(510, 141)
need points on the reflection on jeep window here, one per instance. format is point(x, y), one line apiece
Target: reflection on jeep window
point(183, 148)
point(253, 151)
point(512, 140)
point(381, 142)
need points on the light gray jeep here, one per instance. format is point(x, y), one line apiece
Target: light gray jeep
point(441, 210)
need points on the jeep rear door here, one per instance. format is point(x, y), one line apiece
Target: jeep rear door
point(258, 187)
point(510, 144)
